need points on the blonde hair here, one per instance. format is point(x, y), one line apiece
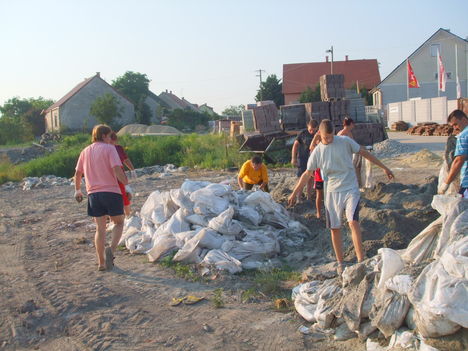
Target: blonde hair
point(99, 132)
point(327, 126)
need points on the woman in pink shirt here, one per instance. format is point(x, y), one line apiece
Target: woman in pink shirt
point(101, 166)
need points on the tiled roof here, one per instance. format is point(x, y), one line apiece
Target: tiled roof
point(298, 76)
point(175, 102)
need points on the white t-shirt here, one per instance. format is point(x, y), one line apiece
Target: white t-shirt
point(335, 160)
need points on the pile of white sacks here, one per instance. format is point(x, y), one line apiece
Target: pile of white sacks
point(409, 295)
point(214, 226)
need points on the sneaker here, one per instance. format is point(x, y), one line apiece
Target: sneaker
point(109, 259)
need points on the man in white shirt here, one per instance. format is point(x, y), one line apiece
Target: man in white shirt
point(334, 156)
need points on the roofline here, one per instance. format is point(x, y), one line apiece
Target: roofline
point(419, 47)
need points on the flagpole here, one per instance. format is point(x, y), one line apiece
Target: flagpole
point(457, 83)
point(438, 73)
point(407, 80)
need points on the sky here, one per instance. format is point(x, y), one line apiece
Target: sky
point(206, 51)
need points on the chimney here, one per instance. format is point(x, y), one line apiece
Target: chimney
point(326, 58)
point(98, 74)
point(346, 58)
point(170, 91)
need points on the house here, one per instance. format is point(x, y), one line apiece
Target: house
point(424, 63)
point(155, 104)
point(174, 102)
point(72, 110)
point(298, 76)
point(207, 109)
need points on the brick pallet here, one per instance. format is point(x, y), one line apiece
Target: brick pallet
point(332, 87)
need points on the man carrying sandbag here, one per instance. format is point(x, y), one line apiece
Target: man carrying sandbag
point(253, 172)
point(459, 121)
point(334, 156)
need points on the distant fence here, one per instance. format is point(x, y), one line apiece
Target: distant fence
point(420, 110)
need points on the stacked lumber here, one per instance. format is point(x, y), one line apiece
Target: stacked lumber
point(400, 126)
point(332, 87)
point(428, 129)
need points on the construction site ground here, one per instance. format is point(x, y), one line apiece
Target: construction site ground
point(53, 297)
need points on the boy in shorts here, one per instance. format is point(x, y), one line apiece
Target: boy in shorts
point(101, 166)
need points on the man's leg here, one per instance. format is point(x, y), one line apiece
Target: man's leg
point(127, 210)
point(337, 244)
point(117, 231)
point(100, 238)
point(318, 201)
point(310, 186)
point(357, 240)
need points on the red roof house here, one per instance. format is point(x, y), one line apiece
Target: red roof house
point(298, 76)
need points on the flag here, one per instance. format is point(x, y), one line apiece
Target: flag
point(412, 81)
point(442, 77)
point(458, 88)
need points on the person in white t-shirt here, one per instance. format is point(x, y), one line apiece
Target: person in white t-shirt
point(334, 156)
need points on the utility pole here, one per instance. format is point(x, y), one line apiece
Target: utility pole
point(260, 75)
point(331, 52)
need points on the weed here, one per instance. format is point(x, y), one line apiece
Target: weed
point(121, 247)
point(181, 270)
point(218, 298)
point(250, 295)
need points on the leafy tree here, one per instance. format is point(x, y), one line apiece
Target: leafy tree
point(187, 120)
point(310, 95)
point(105, 108)
point(271, 89)
point(135, 86)
point(143, 112)
point(233, 110)
point(12, 131)
point(364, 94)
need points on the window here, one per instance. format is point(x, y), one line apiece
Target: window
point(434, 49)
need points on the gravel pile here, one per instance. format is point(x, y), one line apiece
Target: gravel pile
point(392, 148)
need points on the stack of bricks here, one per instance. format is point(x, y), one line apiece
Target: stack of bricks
point(400, 126)
point(428, 129)
point(317, 111)
point(338, 111)
point(332, 87)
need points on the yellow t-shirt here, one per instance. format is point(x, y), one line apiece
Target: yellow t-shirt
point(250, 176)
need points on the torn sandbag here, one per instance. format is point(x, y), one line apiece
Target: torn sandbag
point(389, 311)
point(190, 252)
point(330, 293)
point(158, 207)
point(224, 223)
point(222, 261)
point(162, 245)
point(249, 214)
point(440, 293)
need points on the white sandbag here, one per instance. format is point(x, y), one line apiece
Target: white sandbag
point(426, 347)
point(210, 239)
point(190, 253)
point(324, 313)
point(250, 215)
point(175, 224)
point(305, 309)
point(205, 203)
point(139, 243)
point(222, 261)
point(183, 237)
point(132, 226)
point(367, 175)
point(158, 207)
point(442, 203)
point(190, 186)
point(404, 339)
point(197, 220)
point(400, 284)
point(264, 200)
point(224, 223)
point(389, 312)
point(266, 245)
point(181, 199)
point(423, 245)
point(277, 220)
point(459, 226)
point(454, 185)
point(162, 245)
point(440, 293)
point(391, 265)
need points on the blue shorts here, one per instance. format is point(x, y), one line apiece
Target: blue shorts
point(464, 192)
point(105, 203)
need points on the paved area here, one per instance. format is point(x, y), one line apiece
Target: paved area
point(432, 143)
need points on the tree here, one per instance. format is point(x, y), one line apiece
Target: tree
point(143, 112)
point(105, 108)
point(187, 119)
point(364, 93)
point(310, 95)
point(233, 110)
point(271, 89)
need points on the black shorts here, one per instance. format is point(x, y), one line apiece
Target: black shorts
point(105, 203)
point(318, 185)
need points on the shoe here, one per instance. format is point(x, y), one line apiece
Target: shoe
point(109, 259)
point(101, 268)
point(340, 268)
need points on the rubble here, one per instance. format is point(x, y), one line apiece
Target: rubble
point(400, 126)
point(391, 148)
point(435, 129)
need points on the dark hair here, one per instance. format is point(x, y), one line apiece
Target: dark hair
point(256, 160)
point(327, 126)
point(348, 121)
point(99, 131)
point(458, 114)
point(113, 136)
point(313, 123)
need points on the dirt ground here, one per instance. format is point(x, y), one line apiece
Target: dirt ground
point(53, 298)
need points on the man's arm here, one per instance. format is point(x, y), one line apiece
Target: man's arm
point(129, 164)
point(315, 141)
point(78, 193)
point(240, 182)
point(119, 173)
point(367, 155)
point(294, 153)
point(299, 187)
point(455, 168)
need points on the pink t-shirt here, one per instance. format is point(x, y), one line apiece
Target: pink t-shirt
point(96, 162)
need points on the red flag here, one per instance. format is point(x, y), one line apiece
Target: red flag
point(442, 77)
point(412, 81)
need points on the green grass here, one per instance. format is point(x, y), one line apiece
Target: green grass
point(271, 283)
point(181, 270)
point(218, 301)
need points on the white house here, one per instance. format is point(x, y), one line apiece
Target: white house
point(424, 63)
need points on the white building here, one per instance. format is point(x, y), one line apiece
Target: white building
point(424, 63)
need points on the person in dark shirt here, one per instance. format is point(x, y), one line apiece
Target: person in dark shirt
point(301, 152)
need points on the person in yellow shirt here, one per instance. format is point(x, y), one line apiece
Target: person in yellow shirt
point(253, 172)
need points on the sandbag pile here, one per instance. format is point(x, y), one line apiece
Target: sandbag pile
point(409, 295)
point(212, 225)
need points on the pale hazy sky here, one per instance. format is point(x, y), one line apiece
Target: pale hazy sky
point(205, 50)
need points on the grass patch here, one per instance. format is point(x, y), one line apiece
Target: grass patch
point(218, 301)
point(275, 283)
point(10, 173)
point(181, 270)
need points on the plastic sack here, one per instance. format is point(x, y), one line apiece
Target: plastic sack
point(206, 203)
point(181, 200)
point(264, 200)
point(190, 186)
point(324, 312)
point(250, 215)
point(183, 237)
point(404, 339)
point(254, 243)
point(197, 220)
point(138, 243)
point(222, 261)
point(389, 312)
point(391, 265)
point(224, 223)
point(423, 245)
point(132, 226)
point(454, 209)
point(400, 284)
point(210, 239)
point(190, 252)
point(440, 293)
point(158, 207)
point(175, 224)
point(277, 220)
point(162, 245)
